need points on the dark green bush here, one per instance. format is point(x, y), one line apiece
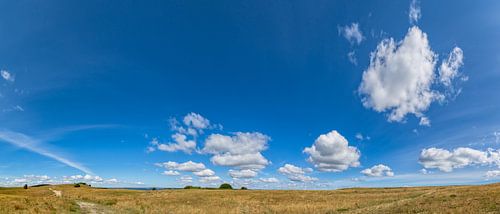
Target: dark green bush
point(225, 186)
point(192, 187)
point(25, 186)
point(77, 185)
point(244, 188)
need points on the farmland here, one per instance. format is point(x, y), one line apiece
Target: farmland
point(68, 199)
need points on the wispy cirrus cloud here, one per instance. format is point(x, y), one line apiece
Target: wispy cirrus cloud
point(26, 142)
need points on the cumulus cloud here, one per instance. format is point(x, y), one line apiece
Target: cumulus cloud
point(400, 76)
point(449, 68)
point(20, 180)
point(209, 179)
point(331, 153)
point(352, 57)
point(497, 137)
point(492, 174)
point(295, 173)
point(204, 173)
point(402, 79)
point(198, 169)
point(414, 14)
point(361, 137)
point(269, 180)
point(6, 75)
point(184, 138)
point(186, 179)
point(424, 171)
point(242, 150)
point(171, 173)
point(45, 179)
point(112, 180)
point(33, 179)
point(181, 144)
point(196, 120)
point(244, 173)
point(352, 33)
point(424, 121)
point(83, 178)
point(378, 171)
point(446, 161)
point(188, 166)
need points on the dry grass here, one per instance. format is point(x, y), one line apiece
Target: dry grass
point(454, 199)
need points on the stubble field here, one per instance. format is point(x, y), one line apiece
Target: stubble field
point(68, 199)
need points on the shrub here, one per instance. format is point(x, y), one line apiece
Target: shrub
point(77, 185)
point(192, 187)
point(225, 186)
point(244, 188)
point(25, 186)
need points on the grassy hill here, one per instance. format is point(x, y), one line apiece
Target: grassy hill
point(451, 199)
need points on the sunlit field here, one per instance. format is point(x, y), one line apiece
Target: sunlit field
point(69, 199)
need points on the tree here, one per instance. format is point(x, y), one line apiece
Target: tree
point(244, 188)
point(25, 186)
point(225, 186)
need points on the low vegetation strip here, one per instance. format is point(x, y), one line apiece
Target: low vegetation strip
point(85, 199)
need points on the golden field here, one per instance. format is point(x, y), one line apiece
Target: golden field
point(451, 199)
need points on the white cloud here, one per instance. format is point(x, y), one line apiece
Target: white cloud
point(209, 179)
point(181, 144)
point(424, 171)
point(112, 180)
point(92, 178)
point(6, 75)
point(242, 161)
point(204, 173)
point(45, 179)
point(269, 180)
point(242, 150)
point(331, 153)
point(197, 169)
point(449, 67)
point(188, 166)
point(186, 179)
point(26, 142)
point(352, 57)
point(244, 173)
point(414, 14)
point(402, 79)
point(352, 33)
point(424, 121)
point(295, 173)
point(378, 171)
point(446, 161)
point(493, 174)
point(289, 169)
point(400, 76)
point(171, 173)
point(193, 125)
point(494, 156)
point(196, 120)
point(20, 180)
point(82, 178)
point(359, 136)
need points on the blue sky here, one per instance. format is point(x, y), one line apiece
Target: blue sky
point(300, 94)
